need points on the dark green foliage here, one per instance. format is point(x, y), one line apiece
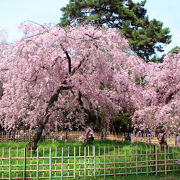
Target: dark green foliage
point(121, 123)
point(94, 120)
point(157, 59)
point(145, 36)
point(175, 50)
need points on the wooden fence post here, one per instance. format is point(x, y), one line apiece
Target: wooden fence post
point(55, 160)
point(136, 161)
point(165, 160)
point(114, 162)
point(94, 161)
point(24, 174)
point(155, 159)
point(2, 162)
point(125, 162)
point(104, 162)
point(173, 158)
point(68, 160)
point(62, 163)
point(119, 161)
point(74, 162)
point(80, 162)
point(84, 161)
point(50, 163)
point(88, 161)
point(9, 163)
point(147, 161)
point(17, 162)
point(176, 158)
point(37, 173)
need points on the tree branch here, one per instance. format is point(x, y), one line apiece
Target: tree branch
point(170, 97)
point(54, 98)
point(76, 68)
point(68, 57)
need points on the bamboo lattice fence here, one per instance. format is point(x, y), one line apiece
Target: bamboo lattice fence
point(71, 162)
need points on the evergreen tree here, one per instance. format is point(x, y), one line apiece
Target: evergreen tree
point(145, 36)
point(175, 50)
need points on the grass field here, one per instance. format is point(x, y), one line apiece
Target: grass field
point(72, 159)
point(170, 176)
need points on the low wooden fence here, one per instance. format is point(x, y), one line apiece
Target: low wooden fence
point(26, 136)
point(72, 162)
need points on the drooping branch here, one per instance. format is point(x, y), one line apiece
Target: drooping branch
point(54, 98)
point(68, 57)
point(93, 38)
point(82, 104)
point(76, 68)
point(69, 61)
point(90, 114)
point(1, 89)
point(170, 97)
point(71, 72)
point(41, 126)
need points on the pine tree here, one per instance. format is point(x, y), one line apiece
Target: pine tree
point(175, 50)
point(145, 36)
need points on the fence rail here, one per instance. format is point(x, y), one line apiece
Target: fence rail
point(71, 162)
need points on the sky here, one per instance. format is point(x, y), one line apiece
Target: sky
point(13, 12)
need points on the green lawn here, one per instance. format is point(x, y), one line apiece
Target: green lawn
point(170, 176)
point(73, 159)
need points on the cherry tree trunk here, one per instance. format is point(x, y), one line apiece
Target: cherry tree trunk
point(163, 143)
point(41, 125)
point(66, 138)
point(32, 146)
point(89, 138)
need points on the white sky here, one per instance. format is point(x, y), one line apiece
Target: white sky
point(12, 12)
